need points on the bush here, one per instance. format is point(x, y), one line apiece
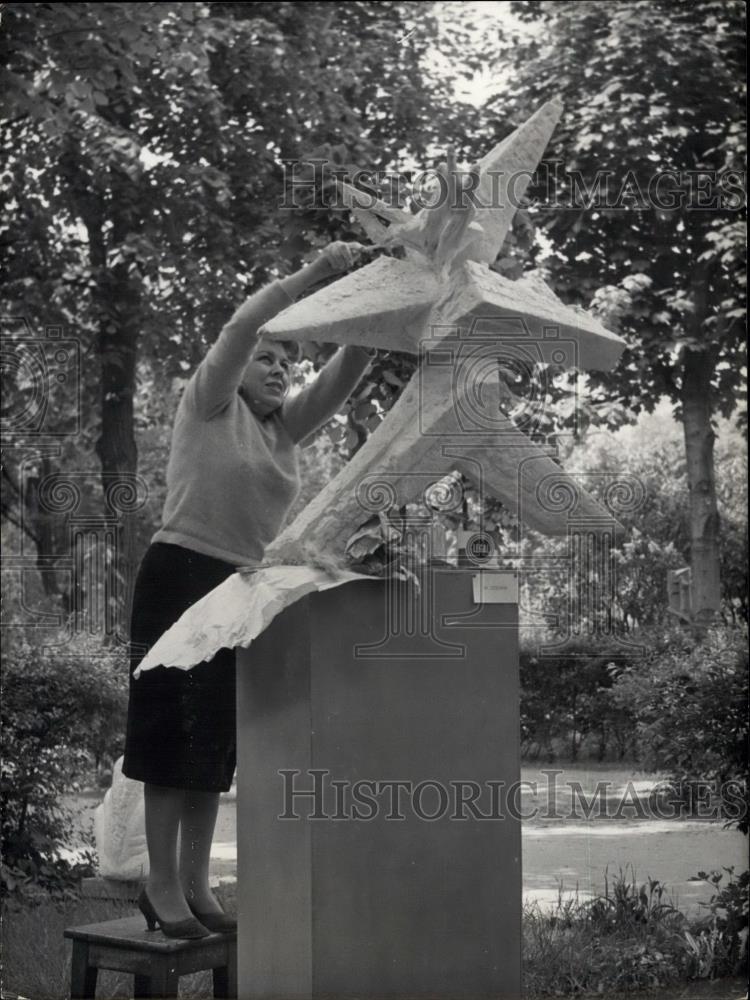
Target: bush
point(632, 937)
point(566, 701)
point(60, 714)
point(719, 944)
point(689, 699)
point(629, 938)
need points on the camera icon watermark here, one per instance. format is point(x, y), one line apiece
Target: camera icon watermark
point(494, 371)
point(479, 547)
point(41, 378)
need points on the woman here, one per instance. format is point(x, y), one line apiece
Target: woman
point(231, 479)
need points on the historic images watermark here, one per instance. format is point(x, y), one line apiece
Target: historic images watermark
point(315, 795)
point(311, 184)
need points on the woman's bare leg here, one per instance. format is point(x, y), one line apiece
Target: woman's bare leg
point(164, 808)
point(199, 812)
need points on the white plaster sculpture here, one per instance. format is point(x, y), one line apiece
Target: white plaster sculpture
point(443, 294)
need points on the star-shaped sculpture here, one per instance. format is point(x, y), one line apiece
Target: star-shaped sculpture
point(444, 293)
point(391, 303)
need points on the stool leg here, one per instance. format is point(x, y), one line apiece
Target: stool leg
point(162, 984)
point(225, 977)
point(221, 982)
point(141, 987)
point(82, 975)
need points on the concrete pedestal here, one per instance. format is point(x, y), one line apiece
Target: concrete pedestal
point(379, 889)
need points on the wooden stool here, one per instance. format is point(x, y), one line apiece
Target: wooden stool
point(155, 961)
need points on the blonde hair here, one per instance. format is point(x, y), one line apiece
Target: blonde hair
point(292, 347)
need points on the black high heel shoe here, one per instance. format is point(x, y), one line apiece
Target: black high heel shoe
point(219, 923)
point(187, 929)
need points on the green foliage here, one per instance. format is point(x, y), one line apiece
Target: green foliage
point(568, 703)
point(648, 88)
point(62, 712)
point(156, 136)
point(162, 128)
point(657, 531)
point(731, 486)
point(650, 455)
point(632, 937)
point(641, 197)
point(629, 938)
point(626, 905)
point(572, 948)
point(689, 699)
point(389, 374)
point(36, 956)
point(657, 536)
point(719, 943)
point(566, 699)
point(589, 715)
point(319, 463)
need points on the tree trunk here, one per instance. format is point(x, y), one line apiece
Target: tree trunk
point(704, 514)
point(117, 301)
point(50, 536)
point(117, 342)
point(116, 445)
point(23, 509)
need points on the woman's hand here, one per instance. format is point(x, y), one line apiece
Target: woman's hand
point(340, 256)
point(333, 259)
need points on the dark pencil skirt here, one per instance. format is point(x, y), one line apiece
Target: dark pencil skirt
point(181, 723)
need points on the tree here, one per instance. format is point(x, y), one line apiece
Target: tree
point(155, 135)
point(640, 197)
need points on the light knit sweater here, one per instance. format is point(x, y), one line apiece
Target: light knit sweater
point(232, 476)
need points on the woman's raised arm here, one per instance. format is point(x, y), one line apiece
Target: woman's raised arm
point(219, 375)
point(314, 405)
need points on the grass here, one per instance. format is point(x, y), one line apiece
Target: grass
point(630, 939)
point(36, 957)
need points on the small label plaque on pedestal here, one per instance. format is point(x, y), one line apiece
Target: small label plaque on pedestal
point(495, 588)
